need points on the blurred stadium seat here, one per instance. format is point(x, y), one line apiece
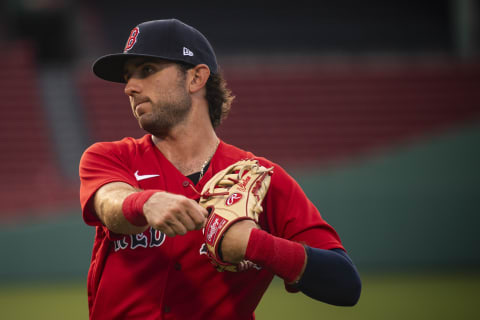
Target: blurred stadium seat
point(30, 175)
point(316, 113)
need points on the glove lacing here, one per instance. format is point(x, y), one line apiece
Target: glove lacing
point(223, 183)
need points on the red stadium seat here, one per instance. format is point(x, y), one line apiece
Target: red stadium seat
point(319, 113)
point(31, 180)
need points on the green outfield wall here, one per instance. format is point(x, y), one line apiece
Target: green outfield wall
point(415, 205)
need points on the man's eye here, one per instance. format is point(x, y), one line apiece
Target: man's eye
point(147, 70)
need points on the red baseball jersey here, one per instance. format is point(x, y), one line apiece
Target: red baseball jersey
point(152, 276)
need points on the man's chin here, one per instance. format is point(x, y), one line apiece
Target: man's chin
point(145, 121)
point(153, 127)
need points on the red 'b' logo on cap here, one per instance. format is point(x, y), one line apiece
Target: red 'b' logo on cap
point(132, 39)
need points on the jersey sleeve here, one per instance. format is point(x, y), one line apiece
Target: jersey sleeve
point(289, 214)
point(100, 164)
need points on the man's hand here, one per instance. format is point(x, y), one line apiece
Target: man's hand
point(174, 214)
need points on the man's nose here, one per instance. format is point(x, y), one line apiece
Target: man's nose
point(133, 86)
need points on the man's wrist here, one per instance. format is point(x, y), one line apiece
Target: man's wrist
point(132, 207)
point(283, 257)
point(235, 241)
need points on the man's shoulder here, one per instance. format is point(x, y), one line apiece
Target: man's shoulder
point(231, 154)
point(124, 145)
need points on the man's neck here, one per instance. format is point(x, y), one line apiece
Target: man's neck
point(188, 149)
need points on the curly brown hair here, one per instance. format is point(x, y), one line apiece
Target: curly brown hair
point(219, 97)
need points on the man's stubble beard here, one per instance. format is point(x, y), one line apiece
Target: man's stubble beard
point(166, 115)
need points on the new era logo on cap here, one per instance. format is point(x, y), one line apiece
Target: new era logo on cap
point(187, 52)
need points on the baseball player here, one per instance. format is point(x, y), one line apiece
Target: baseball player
point(146, 198)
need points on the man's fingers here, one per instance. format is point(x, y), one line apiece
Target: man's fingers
point(187, 221)
point(178, 228)
point(199, 216)
point(169, 232)
point(175, 214)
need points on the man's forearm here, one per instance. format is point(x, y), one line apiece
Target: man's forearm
point(108, 203)
point(330, 276)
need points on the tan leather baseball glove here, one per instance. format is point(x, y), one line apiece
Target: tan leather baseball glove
point(233, 194)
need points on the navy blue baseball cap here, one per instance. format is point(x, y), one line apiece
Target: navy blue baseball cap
point(169, 39)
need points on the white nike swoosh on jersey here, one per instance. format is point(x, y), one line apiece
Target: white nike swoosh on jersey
point(144, 176)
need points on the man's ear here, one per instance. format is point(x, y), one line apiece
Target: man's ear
point(197, 77)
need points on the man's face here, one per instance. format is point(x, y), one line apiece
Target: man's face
point(157, 93)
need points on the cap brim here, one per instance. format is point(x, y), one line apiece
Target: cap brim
point(111, 67)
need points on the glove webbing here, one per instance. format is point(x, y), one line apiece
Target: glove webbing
point(228, 180)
